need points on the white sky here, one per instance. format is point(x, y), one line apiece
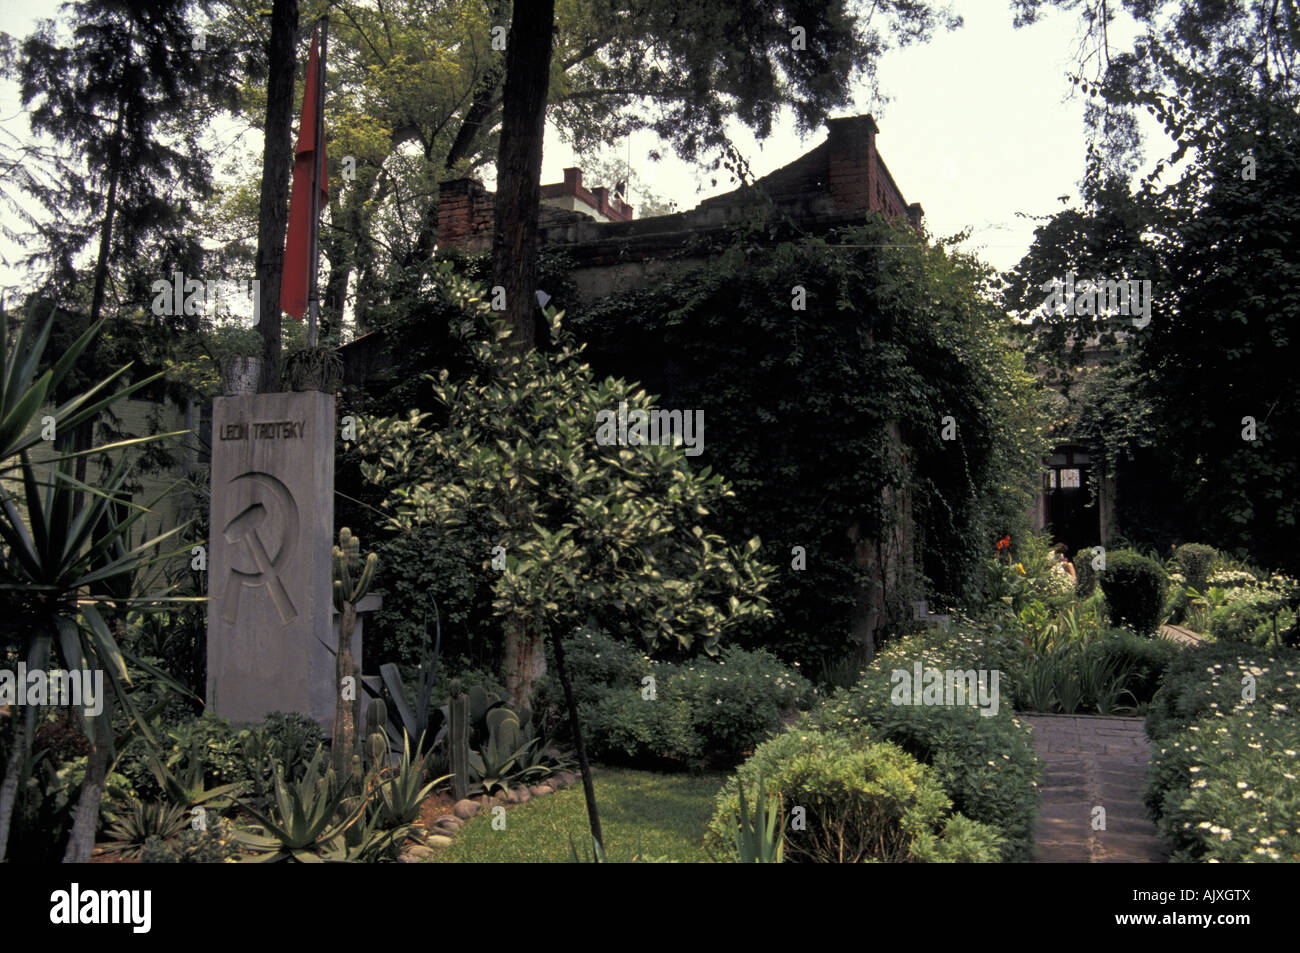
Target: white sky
point(979, 126)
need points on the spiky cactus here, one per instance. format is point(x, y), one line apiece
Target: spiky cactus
point(458, 739)
point(377, 738)
point(352, 580)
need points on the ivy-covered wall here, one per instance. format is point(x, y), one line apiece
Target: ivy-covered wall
point(851, 384)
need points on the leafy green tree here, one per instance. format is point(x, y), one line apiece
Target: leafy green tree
point(580, 532)
point(584, 530)
point(1209, 386)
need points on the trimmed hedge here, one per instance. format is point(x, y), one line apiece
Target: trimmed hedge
point(1197, 562)
point(1135, 591)
point(861, 800)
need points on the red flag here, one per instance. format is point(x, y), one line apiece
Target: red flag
point(295, 284)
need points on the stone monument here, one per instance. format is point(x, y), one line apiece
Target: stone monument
point(270, 613)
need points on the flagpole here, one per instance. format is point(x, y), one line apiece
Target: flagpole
point(318, 156)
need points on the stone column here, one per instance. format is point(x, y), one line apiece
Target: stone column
point(270, 626)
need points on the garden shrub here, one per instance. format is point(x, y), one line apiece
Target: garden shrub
point(1248, 617)
point(862, 801)
point(1225, 789)
point(1222, 781)
point(1135, 591)
point(986, 764)
point(1208, 679)
point(1197, 561)
point(715, 709)
point(427, 578)
point(1141, 659)
point(295, 736)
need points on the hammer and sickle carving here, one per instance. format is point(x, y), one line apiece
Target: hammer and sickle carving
point(246, 528)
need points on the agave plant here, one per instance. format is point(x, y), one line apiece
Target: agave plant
point(420, 721)
point(129, 831)
point(304, 824)
point(185, 789)
point(401, 795)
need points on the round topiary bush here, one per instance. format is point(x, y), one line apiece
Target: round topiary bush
point(1197, 562)
point(1135, 591)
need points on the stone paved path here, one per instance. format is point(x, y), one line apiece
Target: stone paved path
point(1184, 637)
point(1092, 761)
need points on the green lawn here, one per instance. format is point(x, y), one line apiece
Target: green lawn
point(665, 814)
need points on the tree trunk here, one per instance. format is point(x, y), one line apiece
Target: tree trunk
point(84, 433)
point(519, 167)
point(106, 230)
point(588, 787)
point(82, 839)
point(525, 662)
point(13, 770)
point(344, 741)
point(273, 213)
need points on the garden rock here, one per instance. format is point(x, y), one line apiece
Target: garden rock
point(466, 809)
point(438, 840)
point(537, 790)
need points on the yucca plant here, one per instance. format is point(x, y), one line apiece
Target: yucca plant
point(758, 839)
point(62, 539)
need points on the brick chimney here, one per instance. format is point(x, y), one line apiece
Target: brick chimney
point(465, 211)
point(852, 161)
point(914, 215)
